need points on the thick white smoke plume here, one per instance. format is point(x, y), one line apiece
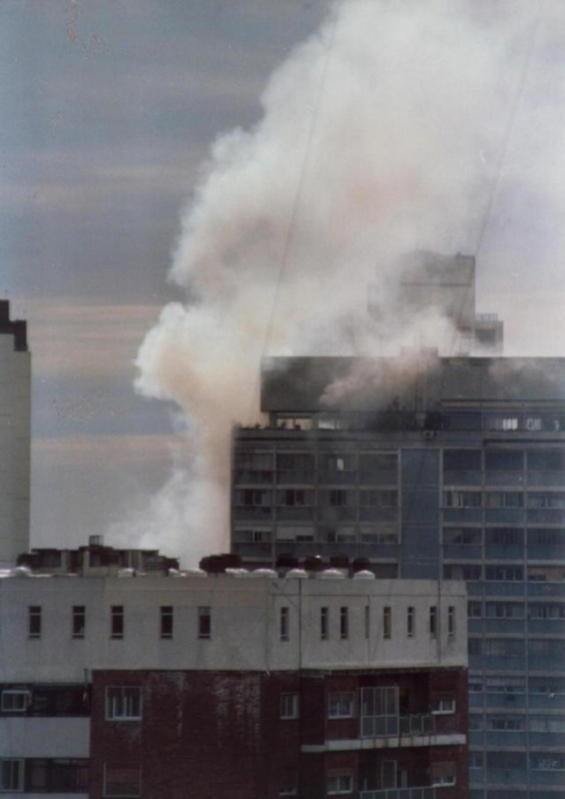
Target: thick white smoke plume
point(381, 134)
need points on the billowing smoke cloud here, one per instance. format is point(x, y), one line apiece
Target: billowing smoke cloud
point(381, 134)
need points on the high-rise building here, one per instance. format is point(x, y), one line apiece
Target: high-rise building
point(144, 681)
point(15, 405)
point(421, 466)
point(459, 473)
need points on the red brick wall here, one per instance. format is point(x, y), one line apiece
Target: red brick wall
point(219, 735)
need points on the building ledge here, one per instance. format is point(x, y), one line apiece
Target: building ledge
point(392, 742)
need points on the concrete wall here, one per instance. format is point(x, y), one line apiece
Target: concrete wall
point(245, 625)
point(15, 399)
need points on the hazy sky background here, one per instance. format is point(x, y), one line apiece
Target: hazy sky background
point(107, 114)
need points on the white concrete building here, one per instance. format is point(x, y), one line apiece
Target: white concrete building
point(15, 408)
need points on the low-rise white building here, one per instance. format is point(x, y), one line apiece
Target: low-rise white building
point(56, 631)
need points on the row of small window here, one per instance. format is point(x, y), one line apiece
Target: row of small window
point(117, 621)
point(550, 650)
point(514, 722)
point(386, 622)
point(307, 461)
point(41, 775)
point(504, 460)
point(344, 704)
point(504, 573)
point(306, 497)
point(534, 500)
point(511, 684)
point(507, 759)
point(516, 610)
point(384, 534)
point(504, 536)
point(510, 422)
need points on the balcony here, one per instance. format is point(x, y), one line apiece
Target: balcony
point(394, 726)
point(427, 792)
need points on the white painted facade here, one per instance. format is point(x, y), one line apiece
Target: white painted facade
point(15, 401)
point(245, 634)
point(245, 625)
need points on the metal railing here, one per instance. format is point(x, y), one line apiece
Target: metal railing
point(427, 792)
point(390, 726)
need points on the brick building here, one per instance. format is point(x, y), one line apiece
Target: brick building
point(237, 685)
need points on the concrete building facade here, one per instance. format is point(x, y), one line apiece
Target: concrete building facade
point(433, 468)
point(232, 685)
point(15, 426)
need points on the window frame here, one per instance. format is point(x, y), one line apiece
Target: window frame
point(78, 621)
point(34, 621)
point(204, 622)
point(18, 763)
point(284, 623)
point(341, 705)
point(117, 622)
point(166, 622)
point(122, 714)
point(289, 705)
point(387, 622)
point(24, 693)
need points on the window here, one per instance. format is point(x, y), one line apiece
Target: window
point(367, 621)
point(503, 536)
point(15, 700)
point(338, 462)
point(410, 622)
point(432, 622)
point(444, 773)
point(295, 497)
point(443, 705)
point(462, 571)
point(378, 499)
point(387, 622)
point(341, 705)
point(504, 499)
point(504, 460)
point(474, 609)
point(34, 621)
point(122, 780)
point(340, 783)
point(546, 610)
point(123, 703)
point(57, 775)
point(509, 723)
point(504, 610)
point(166, 627)
point(284, 624)
point(324, 623)
point(344, 623)
point(117, 621)
point(504, 573)
point(462, 536)
point(451, 621)
point(78, 621)
point(11, 774)
point(204, 621)
point(546, 499)
point(461, 460)
point(462, 499)
point(289, 706)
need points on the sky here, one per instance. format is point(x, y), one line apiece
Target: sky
point(187, 187)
